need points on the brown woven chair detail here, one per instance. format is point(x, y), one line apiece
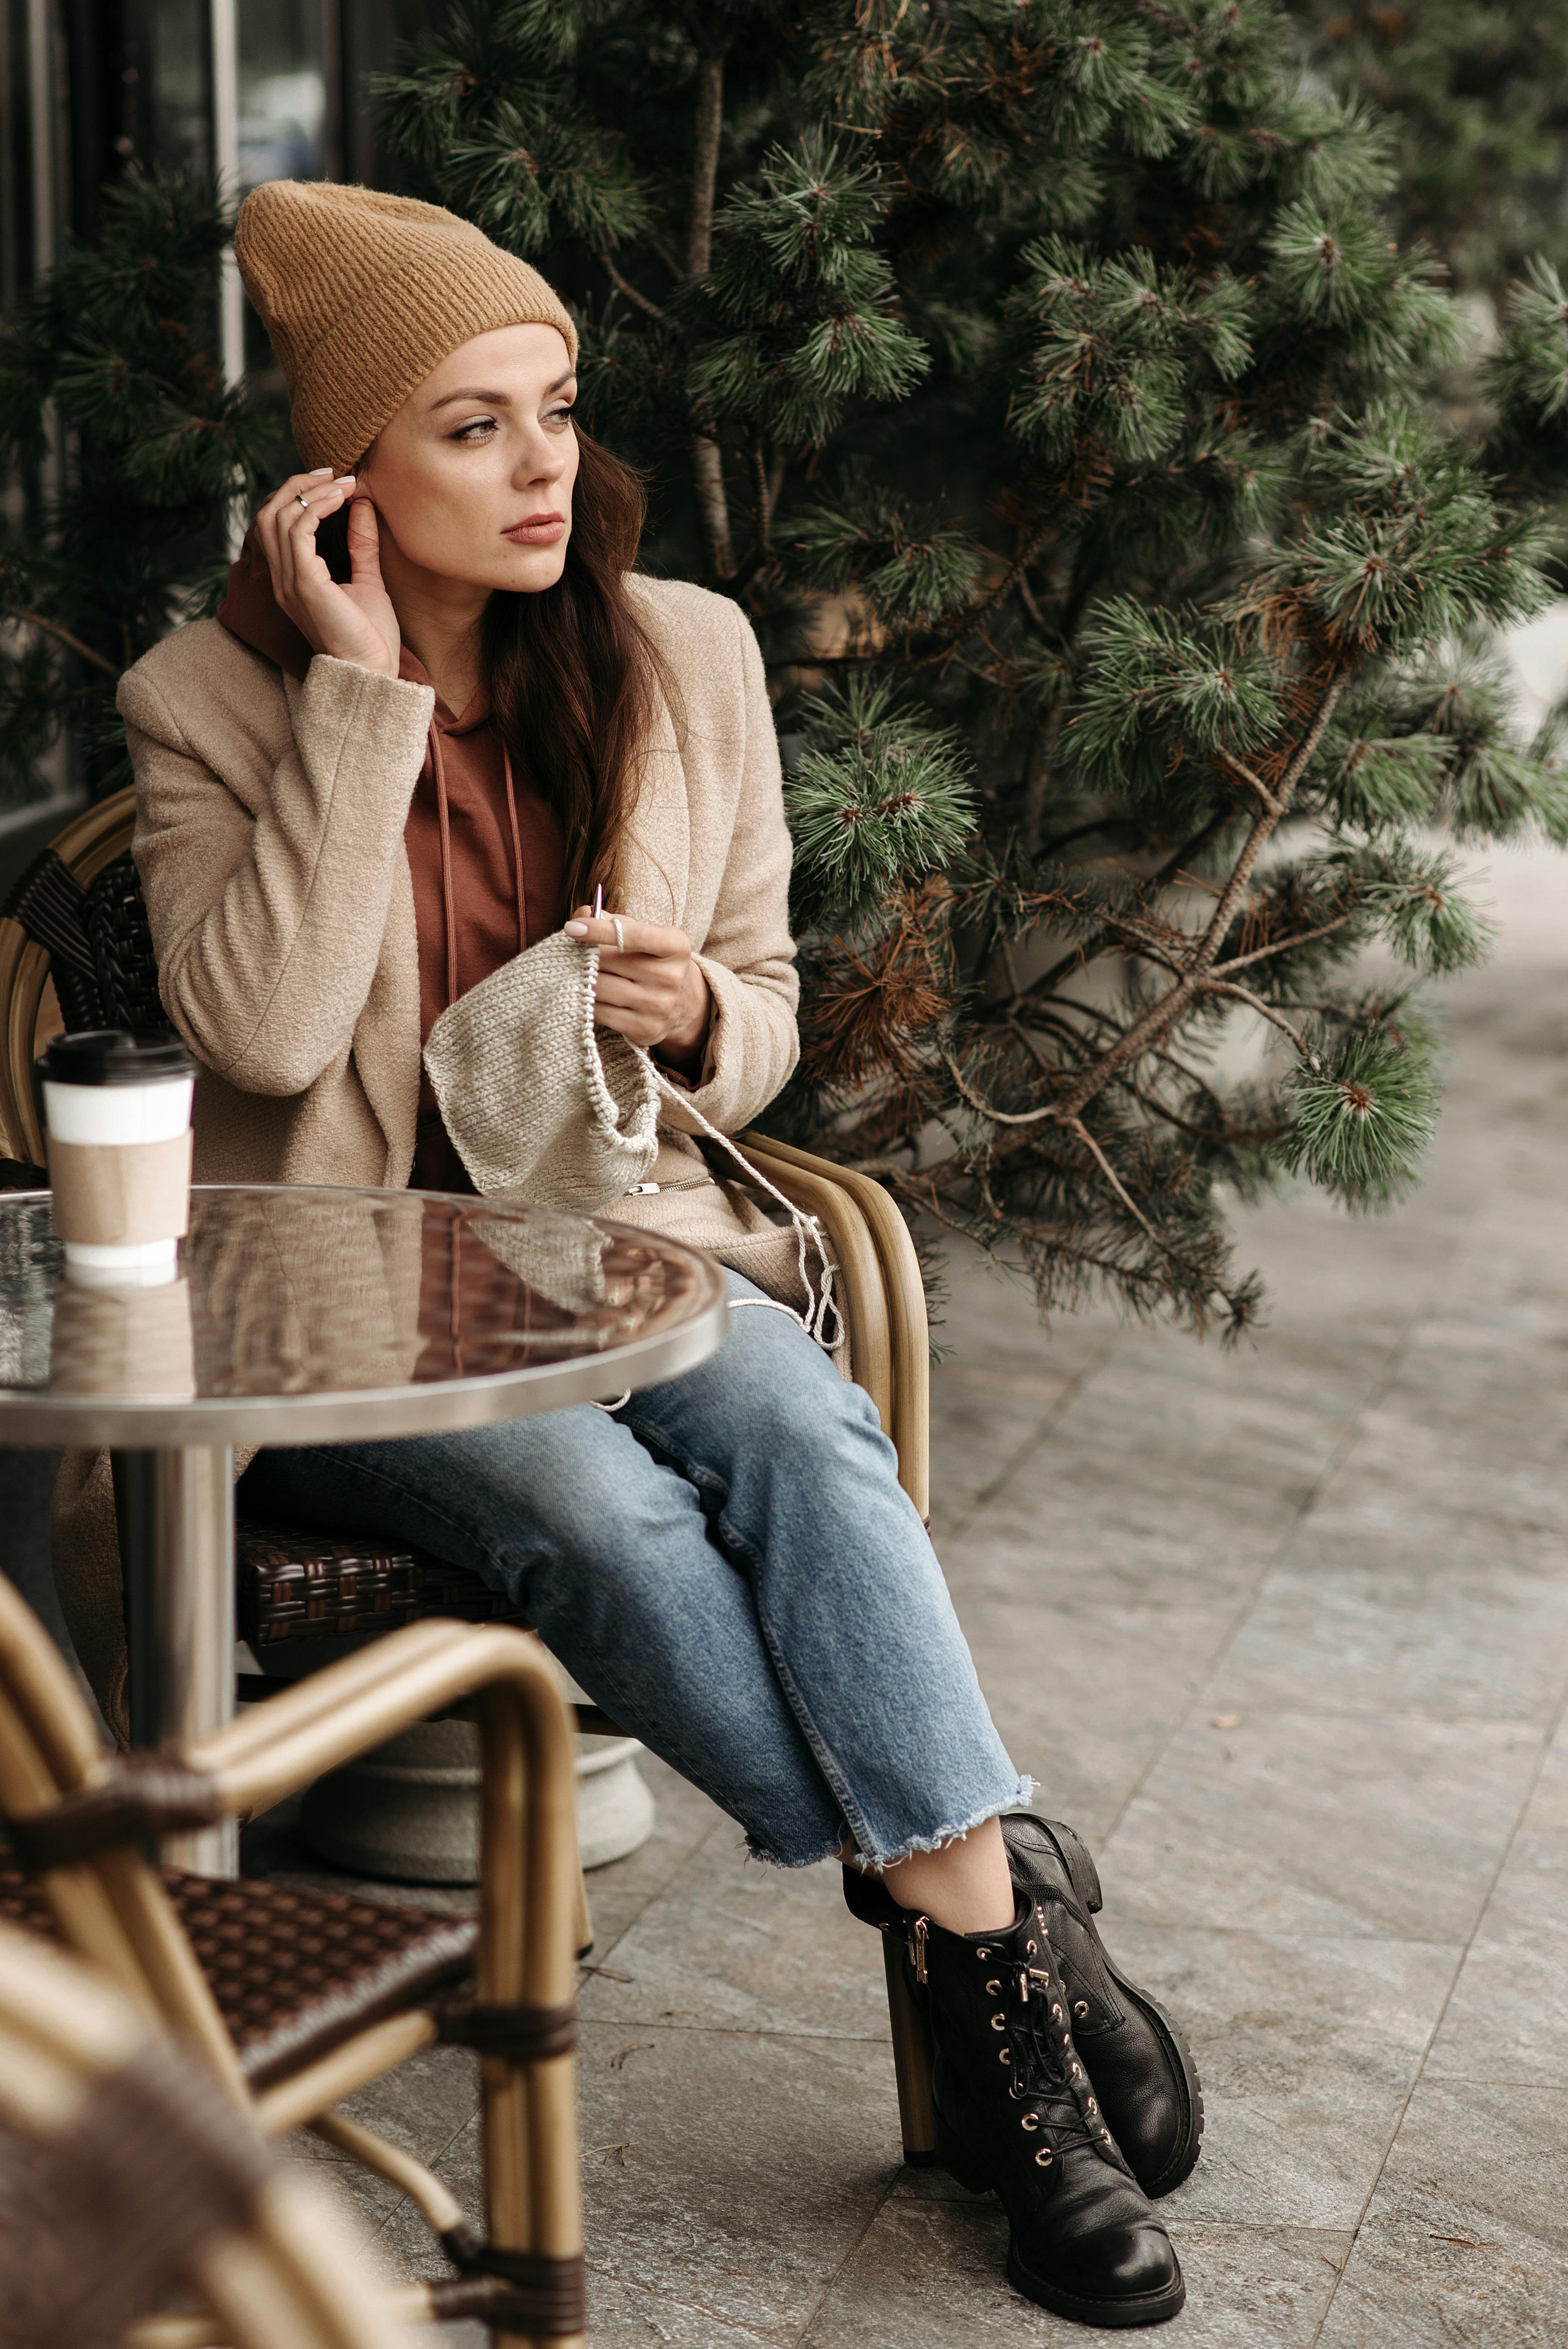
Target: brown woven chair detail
point(294, 1972)
point(295, 1582)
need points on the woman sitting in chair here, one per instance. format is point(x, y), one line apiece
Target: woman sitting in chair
point(361, 799)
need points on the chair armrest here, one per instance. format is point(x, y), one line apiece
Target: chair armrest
point(859, 1286)
point(529, 1865)
point(345, 1708)
point(23, 970)
point(903, 1293)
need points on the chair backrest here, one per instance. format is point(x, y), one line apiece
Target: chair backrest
point(125, 2175)
point(31, 1010)
point(110, 1907)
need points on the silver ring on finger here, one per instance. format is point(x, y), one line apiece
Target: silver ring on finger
point(303, 502)
point(620, 934)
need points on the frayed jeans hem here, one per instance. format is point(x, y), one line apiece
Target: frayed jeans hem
point(875, 1863)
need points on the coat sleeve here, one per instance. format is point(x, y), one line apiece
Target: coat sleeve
point(267, 922)
point(748, 956)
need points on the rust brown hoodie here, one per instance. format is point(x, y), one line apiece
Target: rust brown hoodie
point(485, 849)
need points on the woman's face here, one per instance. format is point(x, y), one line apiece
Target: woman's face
point(472, 478)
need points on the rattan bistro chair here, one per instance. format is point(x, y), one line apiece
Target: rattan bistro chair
point(75, 948)
point(125, 2174)
point(293, 1999)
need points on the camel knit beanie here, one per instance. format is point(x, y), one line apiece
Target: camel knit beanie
point(362, 295)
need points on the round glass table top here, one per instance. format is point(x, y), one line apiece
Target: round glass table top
point(302, 1316)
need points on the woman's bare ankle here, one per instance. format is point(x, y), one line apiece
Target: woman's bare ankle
point(966, 1887)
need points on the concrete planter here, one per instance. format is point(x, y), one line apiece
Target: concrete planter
point(409, 1812)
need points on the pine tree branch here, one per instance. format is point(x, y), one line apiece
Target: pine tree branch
point(959, 625)
point(53, 628)
point(984, 1109)
point(1263, 829)
point(1283, 946)
point(1081, 957)
point(623, 286)
point(1264, 1011)
point(1076, 1125)
point(1255, 783)
point(708, 129)
point(762, 503)
point(707, 460)
point(1157, 1020)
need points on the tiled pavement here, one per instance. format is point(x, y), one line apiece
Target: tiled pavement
point(1284, 1632)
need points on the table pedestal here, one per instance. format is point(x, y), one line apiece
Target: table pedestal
point(176, 1511)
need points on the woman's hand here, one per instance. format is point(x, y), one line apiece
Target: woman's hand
point(651, 991)
point(355, 623)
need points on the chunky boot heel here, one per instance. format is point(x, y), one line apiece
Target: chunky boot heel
point(960, 2163)
point(1015, 2110)
point(910, 2057)
point(1141, 2065)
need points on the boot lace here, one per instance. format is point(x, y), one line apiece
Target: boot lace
point(1046, 2068)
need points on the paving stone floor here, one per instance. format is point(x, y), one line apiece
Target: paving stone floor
point(1284, 1632)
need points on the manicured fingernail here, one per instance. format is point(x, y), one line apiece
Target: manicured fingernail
point(344, 481)
point(576, 929)
point(318, 473)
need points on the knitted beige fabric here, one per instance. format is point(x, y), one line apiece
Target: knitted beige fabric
point(538, 1103)
point(362, 295)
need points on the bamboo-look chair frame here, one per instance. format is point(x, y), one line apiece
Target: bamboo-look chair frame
point(879, 1284)
point(88, 842)
point(111, 1909)
point(289, 2275)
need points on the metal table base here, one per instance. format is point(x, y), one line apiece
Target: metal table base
point(176, 1513)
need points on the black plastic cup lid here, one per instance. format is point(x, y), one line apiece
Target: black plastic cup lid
point(113, 1056)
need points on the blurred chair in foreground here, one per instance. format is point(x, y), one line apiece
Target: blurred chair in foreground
point(128, 2175)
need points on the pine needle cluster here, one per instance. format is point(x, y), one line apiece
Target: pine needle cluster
point(1047, 383)
point(129, 453)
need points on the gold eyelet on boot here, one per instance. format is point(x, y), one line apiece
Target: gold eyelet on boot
point(1004, 2055)
point(992, 1989)
point(1092, 2106)
point(1057, 2014)
point(1030, 2121)
point(1081, 2007)
point(1078, 2071)
point(1042, 2158)
point(999, 2022)
point(982, 1954)
point(1032, 1949)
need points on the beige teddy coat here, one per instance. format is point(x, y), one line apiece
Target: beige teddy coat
point(269, 839)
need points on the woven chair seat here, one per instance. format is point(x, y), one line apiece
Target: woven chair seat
point(295, 1583)
point(294, 1971)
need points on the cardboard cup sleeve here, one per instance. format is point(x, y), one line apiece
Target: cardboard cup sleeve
point(122, 1194)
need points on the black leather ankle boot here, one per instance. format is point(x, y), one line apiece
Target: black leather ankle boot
point(1015, 2110)
point(1141, 2067)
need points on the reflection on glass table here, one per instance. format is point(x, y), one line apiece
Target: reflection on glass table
point(313, 1316)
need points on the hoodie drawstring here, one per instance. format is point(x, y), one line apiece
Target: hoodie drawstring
point(450, 912)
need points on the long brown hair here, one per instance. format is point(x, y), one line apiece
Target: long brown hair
point(572, 674)
point(571, 670)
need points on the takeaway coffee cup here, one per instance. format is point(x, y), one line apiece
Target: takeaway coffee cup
point(117, 1115)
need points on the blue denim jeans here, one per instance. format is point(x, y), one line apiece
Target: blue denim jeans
point(727, 1565)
